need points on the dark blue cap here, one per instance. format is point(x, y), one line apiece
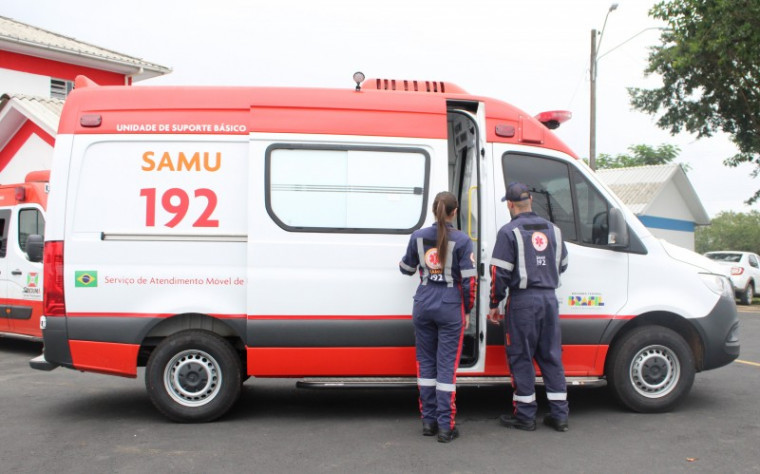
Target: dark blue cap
point(516, 192)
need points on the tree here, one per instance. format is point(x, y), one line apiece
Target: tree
point(709, 61)
point(640, 155)
point(730, 231)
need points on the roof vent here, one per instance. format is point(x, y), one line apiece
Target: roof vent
point(404, 85)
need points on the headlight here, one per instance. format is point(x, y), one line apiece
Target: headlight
point(718, 284)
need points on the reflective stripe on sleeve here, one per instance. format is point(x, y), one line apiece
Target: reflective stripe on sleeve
point(445, 387)
point(558, 248)
point(524, 398)
point(447, 270)
point(521, 259)
point(556, 396)
point(406, 267)
point(426, 382)
point(469, 273)
point(421, 253)
point(497, 262)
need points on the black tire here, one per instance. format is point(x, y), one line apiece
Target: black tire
point(193, 376)
point(748, 294)
point(650, 369)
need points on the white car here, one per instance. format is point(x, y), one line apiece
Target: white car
point(745, 271)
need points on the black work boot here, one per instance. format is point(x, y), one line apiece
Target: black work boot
point(447, 436)
point(559, 425)
point(511, 422)
point(429, 429)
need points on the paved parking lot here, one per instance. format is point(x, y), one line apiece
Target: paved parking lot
point(65, 421)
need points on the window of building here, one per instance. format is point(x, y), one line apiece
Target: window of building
point(59, 88)
point(30, 221)
point(347, 189)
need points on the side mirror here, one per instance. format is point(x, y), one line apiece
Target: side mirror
point(35, 246)
point(618, 236)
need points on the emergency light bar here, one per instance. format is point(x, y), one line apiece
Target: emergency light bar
point(554, 118)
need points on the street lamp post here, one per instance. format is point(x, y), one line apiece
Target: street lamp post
point(592, 76)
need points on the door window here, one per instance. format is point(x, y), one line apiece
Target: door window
point(549, 183)
point(562, 195)
point(380, 190)
point(30, 221)
point(593, 212)
point(5, 216)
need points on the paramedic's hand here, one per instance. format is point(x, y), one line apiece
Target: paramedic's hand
point(494, 316)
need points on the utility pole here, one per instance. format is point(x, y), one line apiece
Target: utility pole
point(592, 76)
point(592, 114)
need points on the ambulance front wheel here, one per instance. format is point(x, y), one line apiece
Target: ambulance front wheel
point(193, 376)
point(651, 369)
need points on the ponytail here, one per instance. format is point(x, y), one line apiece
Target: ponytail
point(444, 205)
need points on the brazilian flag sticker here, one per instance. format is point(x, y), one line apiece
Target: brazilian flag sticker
point(85, 279)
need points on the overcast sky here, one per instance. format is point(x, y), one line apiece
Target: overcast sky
point(532, 53)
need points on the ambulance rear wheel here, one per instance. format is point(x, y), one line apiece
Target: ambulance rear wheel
point(193, 376)
point(651, 369)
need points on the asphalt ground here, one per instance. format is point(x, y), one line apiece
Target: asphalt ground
point(70, 422)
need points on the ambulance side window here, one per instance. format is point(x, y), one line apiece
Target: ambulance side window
point(5, 216)
point(549, 182)
point(593, 212)
point(30, 221)
point(562, 195)
point(312, 188)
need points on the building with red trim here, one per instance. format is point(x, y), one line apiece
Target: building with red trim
point(37, 71)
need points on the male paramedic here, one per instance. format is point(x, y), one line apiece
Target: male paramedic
point(527, 259)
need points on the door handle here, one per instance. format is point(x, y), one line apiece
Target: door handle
point(16, 272)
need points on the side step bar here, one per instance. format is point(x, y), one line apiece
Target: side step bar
point(411, 382)
point(23, 337)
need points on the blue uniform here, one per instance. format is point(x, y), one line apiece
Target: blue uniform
point(443, 298)
point(528, 257)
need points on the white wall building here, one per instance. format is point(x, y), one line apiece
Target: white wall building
point(663, 199)
point(37, 71)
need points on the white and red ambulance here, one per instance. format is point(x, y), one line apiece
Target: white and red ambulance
point(215, 233)
point(22, 213)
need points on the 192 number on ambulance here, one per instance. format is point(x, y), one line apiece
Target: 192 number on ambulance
point(176, 201)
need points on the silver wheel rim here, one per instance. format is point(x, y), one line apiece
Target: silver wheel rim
point(655, 371)
point(193, 378)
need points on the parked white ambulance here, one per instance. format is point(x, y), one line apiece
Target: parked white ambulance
point(22, 213)
point(215, 233)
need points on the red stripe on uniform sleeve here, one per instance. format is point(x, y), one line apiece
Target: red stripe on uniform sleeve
point(473, 291)
point(493, 285)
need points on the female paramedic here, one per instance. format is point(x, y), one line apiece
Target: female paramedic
point(445, 296)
